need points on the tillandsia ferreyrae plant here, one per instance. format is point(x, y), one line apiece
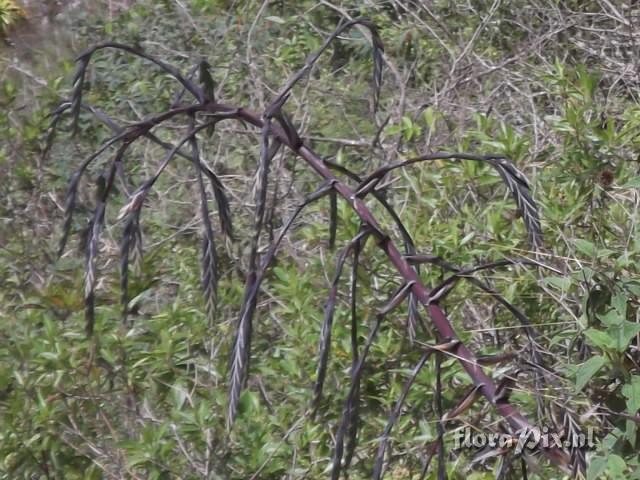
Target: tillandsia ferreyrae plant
point(277, 131)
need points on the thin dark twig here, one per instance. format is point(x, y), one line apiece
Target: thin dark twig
point(349, 405)
point(352, 433)
point(445, 287)
point(324, 346)
point(190, 86)
point(378, 49)
point(356, 375)
point(395, 414)
point(515, 180)
point(442, 467)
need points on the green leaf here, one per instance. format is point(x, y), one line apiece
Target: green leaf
point(561, 283)
point(632, 392)
point(587, 370)
point(484, 180)
point(624, 333)
point(630, 432)
point(617, 466)
point(467, 238)
point(633, 183)
point(585, 247)
point(430, 117)
point(611, 319)
point(600, 339)
point(596, 467)
point(619, 303)
point(179, 394)
point(248, 402)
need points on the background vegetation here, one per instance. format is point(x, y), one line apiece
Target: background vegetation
point(551, 84)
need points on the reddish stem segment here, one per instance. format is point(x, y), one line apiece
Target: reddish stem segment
point(468, 360)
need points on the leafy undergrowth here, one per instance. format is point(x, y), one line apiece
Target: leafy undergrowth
point(149, 399)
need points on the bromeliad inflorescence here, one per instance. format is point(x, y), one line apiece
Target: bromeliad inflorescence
point(278, 131)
